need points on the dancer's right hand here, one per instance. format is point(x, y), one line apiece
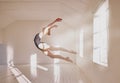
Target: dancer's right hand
point(58, 19)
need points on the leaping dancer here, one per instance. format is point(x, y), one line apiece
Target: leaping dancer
point(47, 49)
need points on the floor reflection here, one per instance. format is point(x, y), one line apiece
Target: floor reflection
point(57, 73)
point(21, 78)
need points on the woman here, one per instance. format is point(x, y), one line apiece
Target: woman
point(47, 49)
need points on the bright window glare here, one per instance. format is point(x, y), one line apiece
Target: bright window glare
point(10, 53)
point(33, 62)
point(56, 68)
point(100, 37)
point(56, 73)
point(81, 43)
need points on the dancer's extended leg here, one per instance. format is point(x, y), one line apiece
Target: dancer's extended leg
point(53, 48)
point(51, 55)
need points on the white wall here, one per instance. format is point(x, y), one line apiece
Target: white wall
point(19, 37)
point(97, 73)
point(114, 51)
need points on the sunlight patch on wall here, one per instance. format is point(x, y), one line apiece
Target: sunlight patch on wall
point(10, 55)
point(56, 69)
point(81, 43)
point(56, 73)
point(33, 65)
point(33, 60)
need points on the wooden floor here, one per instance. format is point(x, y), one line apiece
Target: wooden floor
point(56, 73)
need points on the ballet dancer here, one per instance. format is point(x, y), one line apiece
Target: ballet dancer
point(47, 49)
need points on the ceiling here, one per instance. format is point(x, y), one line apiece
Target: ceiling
point(13, 10)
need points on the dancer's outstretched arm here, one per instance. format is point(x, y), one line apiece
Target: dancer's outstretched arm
point(56, 20)
point(46, 30)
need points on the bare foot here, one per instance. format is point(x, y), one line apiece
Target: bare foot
point(69, 60)
point(73, 52)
